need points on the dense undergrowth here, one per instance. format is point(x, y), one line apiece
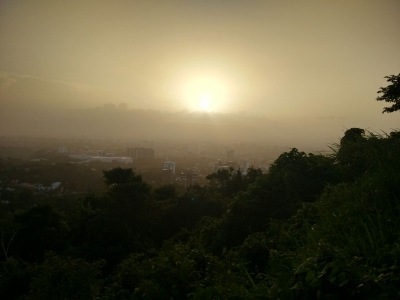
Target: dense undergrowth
point(314, 227)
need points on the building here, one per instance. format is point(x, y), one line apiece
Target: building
point(169, 165)
point(246, 165)
point(168, 172)
point(167, 176)
point(188, 179)
point(139, 153)
point(55, 185)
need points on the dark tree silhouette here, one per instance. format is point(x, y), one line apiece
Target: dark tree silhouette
point(391, 93)
point(120, 176)
point(352, 135)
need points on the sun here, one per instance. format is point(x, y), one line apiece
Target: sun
point(203, 92)
point(205, 101)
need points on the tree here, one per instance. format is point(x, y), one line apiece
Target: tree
point(65, 278)
point(37, 230)
point(227, 182)
point(352, 135)
point(165, 192)
point(120, 176)
point(297, 177)
point(391, 93)
point(127, 189)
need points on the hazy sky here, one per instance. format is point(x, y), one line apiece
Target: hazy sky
point(309, 64)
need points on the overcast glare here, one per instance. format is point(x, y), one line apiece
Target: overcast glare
point(272, 71)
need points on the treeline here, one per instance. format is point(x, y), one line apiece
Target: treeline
point(314, 227)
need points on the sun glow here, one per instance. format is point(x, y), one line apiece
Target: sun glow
point(205, 101)
point(204, 93)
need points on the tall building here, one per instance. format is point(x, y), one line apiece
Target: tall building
point(188, 179)
point(168, 172)
point(169, 165)
point(167, 177)
point(137, 153)
point(246, 165)
point(149, 153)
point(129, 152)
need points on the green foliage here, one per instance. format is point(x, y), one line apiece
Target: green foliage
point(165, 276)
point(255, 250)
point(358, 154)
point(37, 230)
point(127, 190)
point(349, 244)
point(15, 278)
point(391, 93)
point(357, 219)
point(120, 176)
point(352, 135)
point(65, 278)
point(314, 227)
point(351, 154)
point(295, 177)
point(227, 182)
point(252, 175)
point(165, 192)
point(298, 177)
point(103, 228)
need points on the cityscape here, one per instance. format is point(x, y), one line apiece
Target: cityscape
point(199, 150)
point(159, 163)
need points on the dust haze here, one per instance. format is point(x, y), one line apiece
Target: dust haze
point(285, 73)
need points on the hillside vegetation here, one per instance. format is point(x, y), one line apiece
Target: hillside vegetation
point(314, 227)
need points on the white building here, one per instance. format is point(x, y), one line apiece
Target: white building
point(55, 185)
point(169, 165)
point(246, 165)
